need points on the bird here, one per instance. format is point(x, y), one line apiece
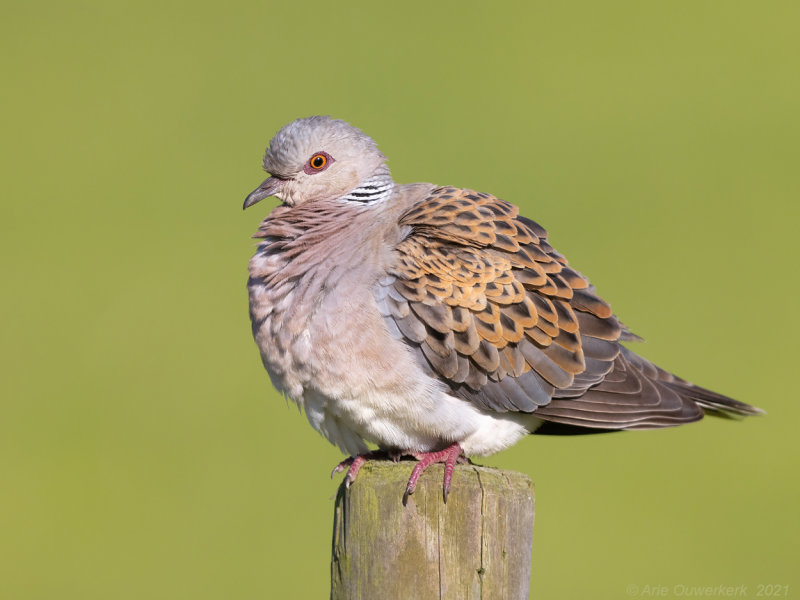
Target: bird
point(434, 322)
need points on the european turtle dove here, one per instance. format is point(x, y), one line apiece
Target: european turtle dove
point(435, 322)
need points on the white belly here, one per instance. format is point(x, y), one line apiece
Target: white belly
point(400, 424)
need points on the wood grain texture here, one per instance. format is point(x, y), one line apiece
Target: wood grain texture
point(478, 545)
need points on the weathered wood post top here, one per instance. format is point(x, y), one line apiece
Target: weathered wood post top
point(477, 545)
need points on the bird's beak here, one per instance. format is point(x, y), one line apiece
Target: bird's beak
point(268, 187)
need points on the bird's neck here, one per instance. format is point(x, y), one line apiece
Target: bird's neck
point(372, 191)
point(321, 238)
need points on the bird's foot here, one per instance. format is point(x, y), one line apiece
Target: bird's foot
point(449, 456)
point(354, 464)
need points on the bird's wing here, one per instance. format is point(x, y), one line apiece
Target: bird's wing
point(495, 312)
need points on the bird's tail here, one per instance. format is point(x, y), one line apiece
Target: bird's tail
point(711, 401)
point(636, 394)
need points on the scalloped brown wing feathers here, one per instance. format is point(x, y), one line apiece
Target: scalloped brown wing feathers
point(495, 312)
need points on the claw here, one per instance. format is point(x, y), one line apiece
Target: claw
point(409, 491)
point(449, 467)
point(354, 464)
point(449, 456)
point(342, 466)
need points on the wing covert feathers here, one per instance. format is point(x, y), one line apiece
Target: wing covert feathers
point(495, 312)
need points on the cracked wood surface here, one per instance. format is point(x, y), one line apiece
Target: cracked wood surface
point(478, 545)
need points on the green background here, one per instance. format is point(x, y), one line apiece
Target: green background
point(143, 453)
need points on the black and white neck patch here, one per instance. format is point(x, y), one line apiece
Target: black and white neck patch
point(373, 190)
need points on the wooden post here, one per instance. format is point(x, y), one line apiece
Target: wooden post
point(478, 545)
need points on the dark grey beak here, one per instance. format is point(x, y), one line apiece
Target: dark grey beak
point(267, 188)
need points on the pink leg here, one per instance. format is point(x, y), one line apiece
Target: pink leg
point(449, 456)
point(356, 462)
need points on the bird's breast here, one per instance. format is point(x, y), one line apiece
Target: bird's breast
point(312, 321)
point(326, 346)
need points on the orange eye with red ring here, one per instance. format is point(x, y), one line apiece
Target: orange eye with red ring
point(318, 162)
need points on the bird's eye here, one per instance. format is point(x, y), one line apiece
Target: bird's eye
point(318, 161)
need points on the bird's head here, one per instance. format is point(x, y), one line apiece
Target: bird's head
point(318, 158)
